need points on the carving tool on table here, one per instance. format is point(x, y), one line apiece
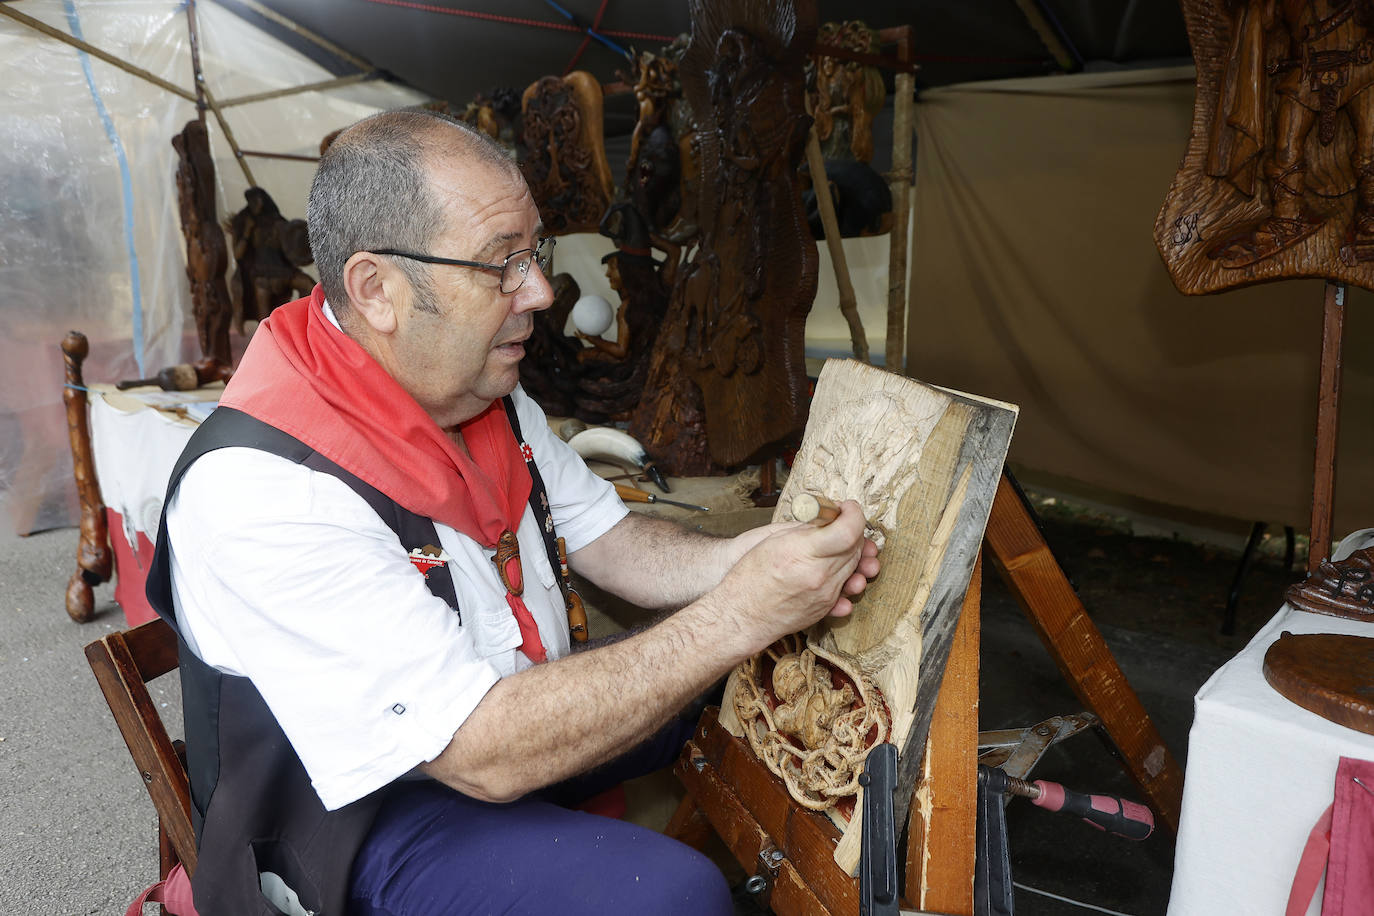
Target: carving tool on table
point(817, 510)
point(632, 495)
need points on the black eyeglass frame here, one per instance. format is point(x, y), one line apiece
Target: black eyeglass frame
point(522, 270)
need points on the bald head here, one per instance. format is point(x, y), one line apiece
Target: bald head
point(373, 190)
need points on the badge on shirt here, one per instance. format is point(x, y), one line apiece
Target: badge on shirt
point(427, 557)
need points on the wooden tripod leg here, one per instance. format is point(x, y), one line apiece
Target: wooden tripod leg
point(940, 850)
point(1328, 425)
point(1030, 570)
point(94, 560)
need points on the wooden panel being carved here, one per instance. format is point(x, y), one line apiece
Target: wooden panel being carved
point(1278, 178)
point(924, 464)
point(727, 377)
point(207, 255)
point(564, 158)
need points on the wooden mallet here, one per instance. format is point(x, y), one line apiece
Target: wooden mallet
point(815, 510)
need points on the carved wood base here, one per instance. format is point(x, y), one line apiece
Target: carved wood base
point(94, 559)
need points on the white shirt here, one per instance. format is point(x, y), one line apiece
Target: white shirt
point(286, 576)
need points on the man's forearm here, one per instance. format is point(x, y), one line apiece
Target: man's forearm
point(554, 721)
point(655, 563)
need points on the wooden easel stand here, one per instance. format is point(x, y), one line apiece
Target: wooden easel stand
point(731, 791)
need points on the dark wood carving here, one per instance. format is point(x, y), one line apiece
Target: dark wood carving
point(1325, 673)
point(269, 250)
point(614, 373)
point(496, 115)
point(1343, 588)
point(564, 158)
point(1278, 179)
point(550, 368)
point(94, 561)
point(207, 255)
point(847, 93)
point(662, 172)
point(727, 377)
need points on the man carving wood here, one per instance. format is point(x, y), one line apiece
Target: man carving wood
point(394, 733)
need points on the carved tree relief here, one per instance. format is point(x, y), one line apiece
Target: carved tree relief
point(564, 157)
point(727, 378)
point(924, 464)
point(207, 255)
point(1278, 179)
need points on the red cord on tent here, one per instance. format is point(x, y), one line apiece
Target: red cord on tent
point(586, 39)
point(517, 20)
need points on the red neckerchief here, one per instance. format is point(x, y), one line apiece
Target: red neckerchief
point(307, 378)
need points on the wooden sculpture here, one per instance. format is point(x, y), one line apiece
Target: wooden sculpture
point(924, 464)
point(662, 172)
point(847, 93)
point(269, 250)
point(564, 158)
point(1341, 588)
point(207, 255)
point(727, 377)
point(550, 368)
point(1278, 179)
point(496, 115)
point(613, 373)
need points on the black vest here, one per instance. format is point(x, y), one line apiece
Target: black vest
point(252, 803)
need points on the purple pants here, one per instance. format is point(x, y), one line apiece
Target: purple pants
point(435, 851)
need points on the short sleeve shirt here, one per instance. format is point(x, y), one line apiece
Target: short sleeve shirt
point(286, 576)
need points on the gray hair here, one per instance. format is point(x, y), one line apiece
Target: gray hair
point(372, 190)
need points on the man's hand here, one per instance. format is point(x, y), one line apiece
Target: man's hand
point(790, 575)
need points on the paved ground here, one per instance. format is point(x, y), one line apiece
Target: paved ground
point(78, 831)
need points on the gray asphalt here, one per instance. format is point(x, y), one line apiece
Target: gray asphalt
point(77, 830)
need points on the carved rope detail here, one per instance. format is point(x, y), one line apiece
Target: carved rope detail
point(809, 732)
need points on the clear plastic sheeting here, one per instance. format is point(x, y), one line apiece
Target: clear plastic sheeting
point(90, 234)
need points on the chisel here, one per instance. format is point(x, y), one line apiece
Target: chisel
point(633, 495)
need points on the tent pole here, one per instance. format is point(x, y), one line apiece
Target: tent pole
point(279, 19)
point(229, 136)
point(904, 88)
point(38, 26)
point(197, 75)
point(848, 304)
point(292, 90)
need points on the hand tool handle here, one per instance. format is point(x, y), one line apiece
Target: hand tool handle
point(1105, 812)
point(633, 494)
point(819, 511)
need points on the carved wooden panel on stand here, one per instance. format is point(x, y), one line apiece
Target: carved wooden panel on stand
point(924, 464)
point(1278, 178)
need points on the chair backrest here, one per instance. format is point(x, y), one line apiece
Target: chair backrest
point(123, 664)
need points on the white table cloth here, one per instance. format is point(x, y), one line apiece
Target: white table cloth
point(1261, 770)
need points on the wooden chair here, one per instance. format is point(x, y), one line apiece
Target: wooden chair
point(123, 663)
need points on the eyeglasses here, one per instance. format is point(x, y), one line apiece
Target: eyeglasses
point(513, 269)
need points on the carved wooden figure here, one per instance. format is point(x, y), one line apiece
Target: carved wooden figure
point(564, 158)
point(727, 380)
point(662, 173)
point(1278, 178)
point(270, 251)
point(207, 255)
point(847, 93)
point(924, 464)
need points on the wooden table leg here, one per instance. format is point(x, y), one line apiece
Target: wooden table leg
point(1024, 560)
point(94, 561)
point(1328, 425)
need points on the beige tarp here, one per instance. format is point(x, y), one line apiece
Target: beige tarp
point(1037, 281)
